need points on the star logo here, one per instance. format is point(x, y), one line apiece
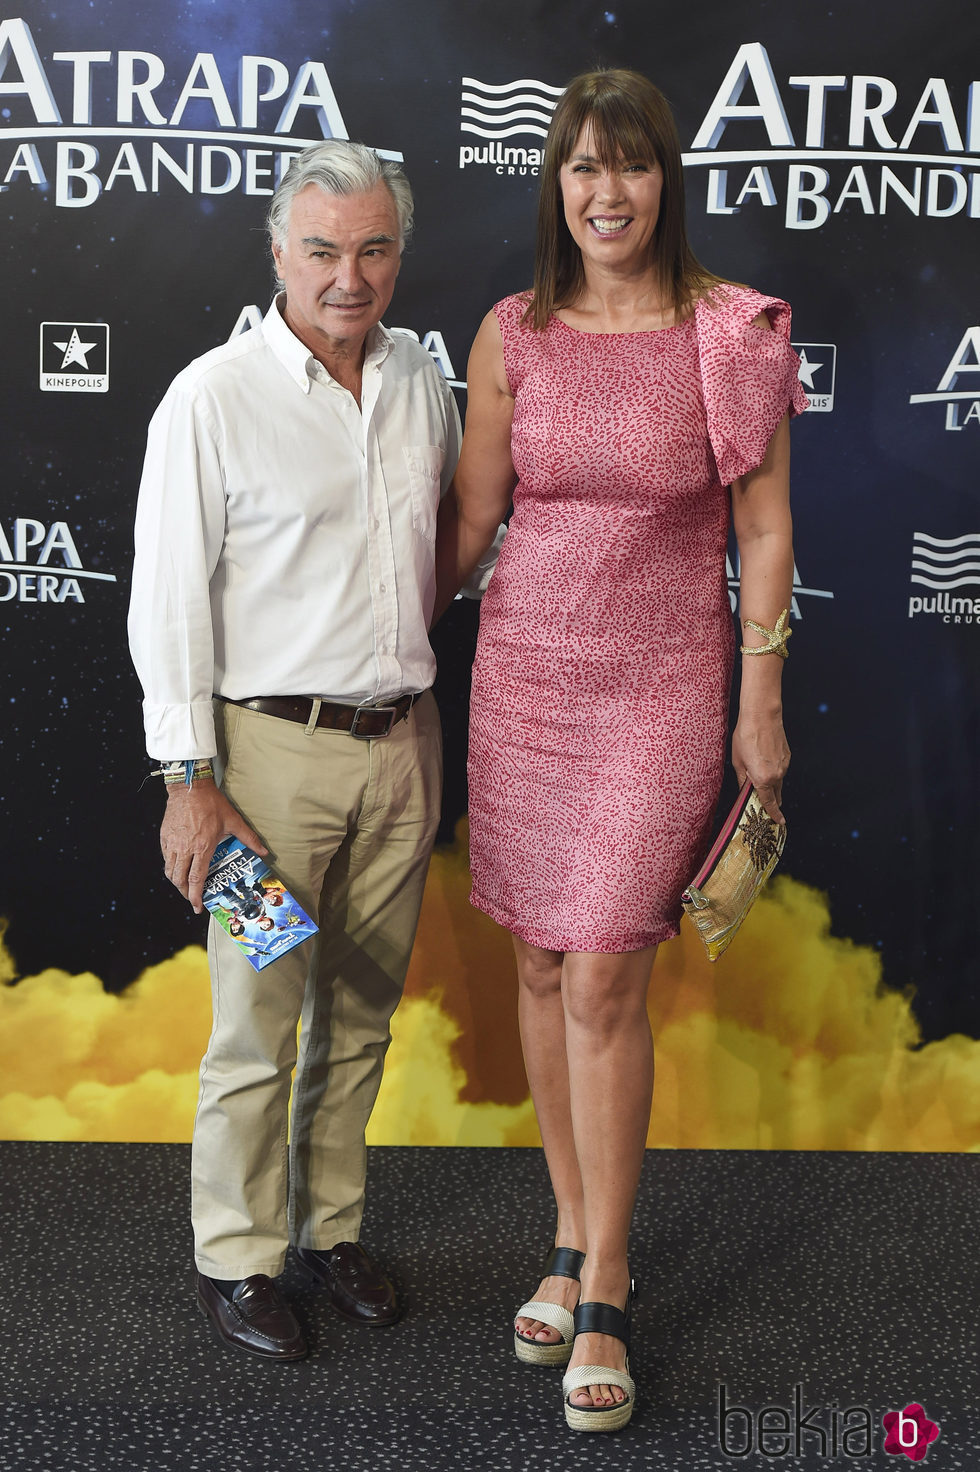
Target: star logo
point(807, 370)
point(817, 373)
point(74, 357)
point(75, 350)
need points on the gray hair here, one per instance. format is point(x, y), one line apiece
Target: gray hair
point(340, 167)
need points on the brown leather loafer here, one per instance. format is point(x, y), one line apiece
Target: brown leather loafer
point(355, 1285)
point(254, 1319)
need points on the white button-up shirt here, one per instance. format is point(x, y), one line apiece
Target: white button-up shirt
point(285, 537)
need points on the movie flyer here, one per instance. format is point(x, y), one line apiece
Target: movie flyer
point(252, 905)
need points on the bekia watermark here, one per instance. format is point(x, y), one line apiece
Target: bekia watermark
point(909, 1432)
point(830, 1431)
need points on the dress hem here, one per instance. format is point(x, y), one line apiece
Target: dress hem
point(532, 937)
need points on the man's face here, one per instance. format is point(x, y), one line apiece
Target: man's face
point(339, 263)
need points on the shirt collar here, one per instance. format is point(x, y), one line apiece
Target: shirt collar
point(296, 357)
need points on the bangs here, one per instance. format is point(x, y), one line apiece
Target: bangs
point(621, 129)
point(629, 121)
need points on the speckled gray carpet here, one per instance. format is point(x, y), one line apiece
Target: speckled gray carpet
point(854, 1277)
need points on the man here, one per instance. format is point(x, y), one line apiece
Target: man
point(284, 564)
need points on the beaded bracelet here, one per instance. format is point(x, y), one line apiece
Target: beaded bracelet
point(775, 638)
point(183, 774)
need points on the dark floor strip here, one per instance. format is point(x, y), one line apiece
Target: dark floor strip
point(853, 1277)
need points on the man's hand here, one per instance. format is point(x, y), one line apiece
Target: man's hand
point(197, 819)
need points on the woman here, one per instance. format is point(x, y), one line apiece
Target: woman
point(621, 399)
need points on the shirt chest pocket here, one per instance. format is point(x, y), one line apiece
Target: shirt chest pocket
point(424, 464)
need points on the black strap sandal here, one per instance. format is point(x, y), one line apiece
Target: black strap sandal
point(601, 1318)
point(562, 1262)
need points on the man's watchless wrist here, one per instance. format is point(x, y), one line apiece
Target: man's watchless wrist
point(184, 772)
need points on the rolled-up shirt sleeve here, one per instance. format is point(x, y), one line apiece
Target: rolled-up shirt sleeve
point(180, 523)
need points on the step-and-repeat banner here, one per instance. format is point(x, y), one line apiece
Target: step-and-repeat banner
point(832, 159)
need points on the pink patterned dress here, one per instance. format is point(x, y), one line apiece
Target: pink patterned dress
point(601, 683)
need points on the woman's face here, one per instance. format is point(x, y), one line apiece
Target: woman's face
point(611, 213)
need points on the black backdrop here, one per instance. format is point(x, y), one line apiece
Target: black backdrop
point(882, 704)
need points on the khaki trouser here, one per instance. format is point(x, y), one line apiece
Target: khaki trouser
point(350, 826)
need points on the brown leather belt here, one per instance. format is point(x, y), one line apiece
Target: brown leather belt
point(362, 721)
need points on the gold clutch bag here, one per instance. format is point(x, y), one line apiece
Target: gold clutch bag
point(743, 856)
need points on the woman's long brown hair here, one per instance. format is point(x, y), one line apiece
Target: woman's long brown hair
point(630, 119)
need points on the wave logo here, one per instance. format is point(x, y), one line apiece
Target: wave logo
point(949, 562)
point(514, 107)
point(497, 112)
point(942, 564)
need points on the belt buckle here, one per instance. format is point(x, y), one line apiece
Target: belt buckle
point(390, 711)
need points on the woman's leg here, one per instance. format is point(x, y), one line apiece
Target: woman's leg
point(542, 1019)
point(610, 1072)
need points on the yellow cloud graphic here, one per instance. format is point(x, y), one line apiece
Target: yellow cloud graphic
point(788, 1042)
point(420, 1103)
point(791, 1042)
point(78, 1063)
